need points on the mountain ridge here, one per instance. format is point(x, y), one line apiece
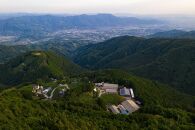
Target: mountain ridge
point(170, 61)
point(40, 25)
point(179, 34)
point(35, 65)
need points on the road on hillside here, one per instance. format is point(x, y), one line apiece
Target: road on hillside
point(51, 95)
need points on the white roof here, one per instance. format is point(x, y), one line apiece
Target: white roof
point(125, 92)
point(122, 109)
point(111, 90)
point(47, 90)
point(130, 105)
point(132, 93)
point(109, 86)
point(114, 109)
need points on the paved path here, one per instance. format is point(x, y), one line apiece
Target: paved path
point(52, 92)
point(51, 95)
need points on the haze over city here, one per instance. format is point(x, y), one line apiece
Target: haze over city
point(184, 7)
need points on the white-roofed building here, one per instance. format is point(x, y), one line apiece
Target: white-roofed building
point(130, 106)
point(109, 86)
point(46, 90)
point(125, 92)
point(111, 91)
point(114, 109)
point(122, 109)
point(132, 93)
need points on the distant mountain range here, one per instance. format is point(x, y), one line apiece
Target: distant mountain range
point(179, 34)
point(170, 61)
point(39, 25)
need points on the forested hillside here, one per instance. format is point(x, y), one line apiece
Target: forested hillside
point(163, 108)
point(8, 52)
point(179, 34)
point(36, 65)
point(170, 61)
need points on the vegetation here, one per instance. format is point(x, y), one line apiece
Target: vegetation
point(162, 106)
point(112, 99)
point(174, 34)
point(8, 52)
point(36, 65)
point(169, 61)
point(80, 110)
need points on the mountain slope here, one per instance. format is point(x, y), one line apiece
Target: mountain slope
point(36, 26)
point(8, 52)
point(174, 34)
point(73, 112)
point(170, 61)
point(35, 65)
point(150, 92)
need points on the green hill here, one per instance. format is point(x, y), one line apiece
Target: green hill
point(163, 108)
point(150, 92)
point(179, 34)
point(36, 65)
point(170, 61)
point(8, 52)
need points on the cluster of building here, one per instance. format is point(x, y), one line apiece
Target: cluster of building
point(126, 107)
point(107, 88)
point(39, 91)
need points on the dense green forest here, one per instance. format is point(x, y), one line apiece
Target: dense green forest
point(179, 34)
point(36, 65)
point(163, 108)
point(8, 52)
point(170, 61)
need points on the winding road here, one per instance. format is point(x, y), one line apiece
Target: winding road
point(52, 92)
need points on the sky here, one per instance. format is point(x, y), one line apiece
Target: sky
point(99, 6)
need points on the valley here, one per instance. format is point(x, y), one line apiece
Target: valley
point(95, 72)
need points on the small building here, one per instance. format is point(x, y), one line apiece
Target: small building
point(109, 86)
point(114, 109)
point(111, 91)
point(46, 90)
point(37, 89)
point(130, 106)
point(125, 92)
point(122, 109)
point(132, 93)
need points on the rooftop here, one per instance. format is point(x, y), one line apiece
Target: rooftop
point(125, 92)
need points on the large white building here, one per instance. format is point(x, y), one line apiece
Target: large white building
point(130, 106)
point(127, 92)
point(107, 87)
point(114, 109)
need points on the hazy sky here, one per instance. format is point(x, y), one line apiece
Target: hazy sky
point(100, 6)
